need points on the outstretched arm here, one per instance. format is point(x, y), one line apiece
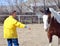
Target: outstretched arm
point(20, 25)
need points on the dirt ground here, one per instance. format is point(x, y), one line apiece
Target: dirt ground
point(34, 37)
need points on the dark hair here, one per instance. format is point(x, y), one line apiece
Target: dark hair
point(13, 12)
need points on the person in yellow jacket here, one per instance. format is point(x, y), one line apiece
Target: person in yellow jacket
point(10, 33)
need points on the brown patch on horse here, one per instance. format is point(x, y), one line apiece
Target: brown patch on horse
point(54, 28)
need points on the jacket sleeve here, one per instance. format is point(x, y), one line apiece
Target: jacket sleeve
point(19, 24)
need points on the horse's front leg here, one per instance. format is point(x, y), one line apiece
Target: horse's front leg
point(50, 39)
point(58, 41)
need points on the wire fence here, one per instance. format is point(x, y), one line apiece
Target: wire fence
point(26, 19)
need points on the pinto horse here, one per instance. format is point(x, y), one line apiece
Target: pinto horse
point(53, 29)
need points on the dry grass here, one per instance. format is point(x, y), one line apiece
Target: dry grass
point(34, 37)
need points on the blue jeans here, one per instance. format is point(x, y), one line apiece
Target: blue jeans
point(13, 41)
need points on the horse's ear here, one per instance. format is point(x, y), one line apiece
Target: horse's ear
point(42, 11)
point(47, 11)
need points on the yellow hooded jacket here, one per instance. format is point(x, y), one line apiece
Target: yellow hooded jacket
point(10, 25)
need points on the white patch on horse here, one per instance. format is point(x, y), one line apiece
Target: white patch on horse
point(45, 21)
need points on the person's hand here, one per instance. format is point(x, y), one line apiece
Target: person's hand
point(28, 27)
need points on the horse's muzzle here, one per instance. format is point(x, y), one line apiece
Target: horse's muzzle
point(46, 29)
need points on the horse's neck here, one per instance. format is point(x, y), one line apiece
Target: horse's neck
point(54, 21)
point(49, 19)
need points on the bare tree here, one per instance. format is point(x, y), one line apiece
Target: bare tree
point(51, 3)
point(7, 10)
point(35, 6)
point(44, 4)
point(28, 7)
point(18, 6)
point(59, 3)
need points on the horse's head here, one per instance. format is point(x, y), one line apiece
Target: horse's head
point(49, 16)
point(47, 19)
